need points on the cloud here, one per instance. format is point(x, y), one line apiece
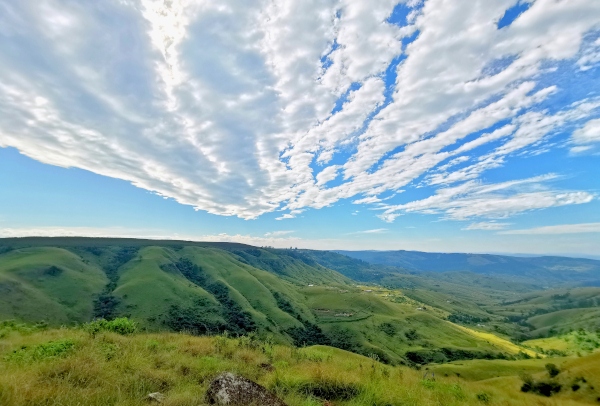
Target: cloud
point(292, 214)
point(559, 229)
point(590, 55)
point(279, 233)
point(589, 133)
point(499, 200)
point(373, 231)
point(580, 149)
point(487, 225)
point(241, 108)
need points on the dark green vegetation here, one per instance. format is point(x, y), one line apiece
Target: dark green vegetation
point(299, 297)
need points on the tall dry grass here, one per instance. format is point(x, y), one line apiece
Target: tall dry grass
point(71, 367)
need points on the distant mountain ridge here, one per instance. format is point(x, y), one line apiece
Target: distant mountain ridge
point(551, 268)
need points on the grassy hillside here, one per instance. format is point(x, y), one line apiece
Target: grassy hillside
point(48, 284)
point(547, 313)
point(386, 323)
point(68, 365)
point(573, 343)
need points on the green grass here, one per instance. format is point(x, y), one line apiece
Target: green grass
point(575, 342)
point(146, 292)
point(564, 320)
point(246, 286)
point(50, 284)
point(372, 311)
point(478, 370)
point(113, 369)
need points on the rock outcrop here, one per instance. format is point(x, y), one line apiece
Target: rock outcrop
point(228, 389)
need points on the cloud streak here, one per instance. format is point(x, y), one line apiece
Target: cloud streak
point(581, 228)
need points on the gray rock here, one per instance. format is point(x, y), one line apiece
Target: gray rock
point(228, 389)
point(156, 397)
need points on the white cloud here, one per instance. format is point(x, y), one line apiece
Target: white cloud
point(373, 231)
point(487, 225)
point(590, 55)
point(559, 229)
point(589, 133)
point(279, 233)
point(367, 200)
point(228, 106)
point(494, 201)
point(580, 149)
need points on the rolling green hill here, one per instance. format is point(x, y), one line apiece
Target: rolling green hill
point(291, 295)
point(50, 284)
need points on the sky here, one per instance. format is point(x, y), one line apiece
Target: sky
point(428, 125)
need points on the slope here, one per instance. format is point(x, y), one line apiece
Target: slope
point(47, 284)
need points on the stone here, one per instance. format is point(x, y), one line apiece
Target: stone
point(156, 397)
point(228, 389)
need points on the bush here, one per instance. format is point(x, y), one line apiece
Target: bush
point(412, 335)
point(441, 355)
point(200, 319)
point(388, 329)
point(541, 388)
point(121, 325)
point(483, 397)
point(546, 388)
point(310, 334)
point(322, 388)
point(552, 370)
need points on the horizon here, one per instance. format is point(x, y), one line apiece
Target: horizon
point(506, 254)
point(410, 125)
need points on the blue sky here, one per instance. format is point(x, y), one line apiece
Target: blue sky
point(428, 125)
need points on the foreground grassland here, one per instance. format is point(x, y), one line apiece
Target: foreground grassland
point(94, 367)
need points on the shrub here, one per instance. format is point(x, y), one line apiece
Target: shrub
point(541, 388)
point(412, 335)
point(322, 388)
point(552, 370)
point(310, 334)
point(483, 397)
point(121, 325)
point(201, 318)
point(388, 328)
point(546, 388)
